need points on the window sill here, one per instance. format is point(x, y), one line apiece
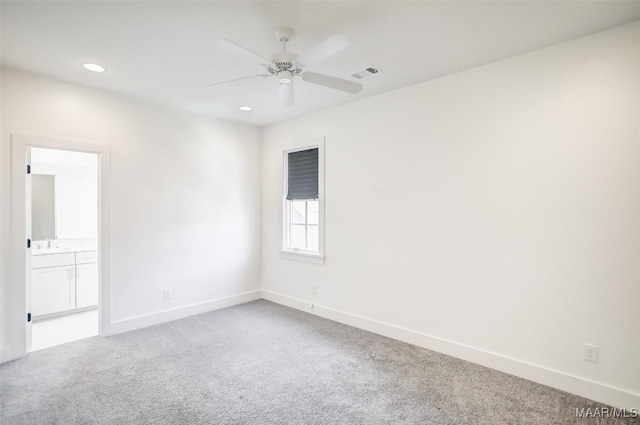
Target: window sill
point(302, 256)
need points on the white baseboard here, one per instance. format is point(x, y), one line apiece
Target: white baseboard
point(553, 378)
point(7, 354)
point(143, 321)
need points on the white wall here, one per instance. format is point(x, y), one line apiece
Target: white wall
point(185, 195)
point(493, 214)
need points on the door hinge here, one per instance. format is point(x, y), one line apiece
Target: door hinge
point(28, 317)
point(28, 243)
point(28, 169)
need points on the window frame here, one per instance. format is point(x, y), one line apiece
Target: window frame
point(298, 254)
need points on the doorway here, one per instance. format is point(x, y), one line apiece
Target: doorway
point(60, 207)
point(64, 246)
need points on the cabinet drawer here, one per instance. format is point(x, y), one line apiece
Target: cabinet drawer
point(52, 260)
point(86, 257)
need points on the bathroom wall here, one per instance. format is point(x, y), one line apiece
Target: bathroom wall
point(76, 191)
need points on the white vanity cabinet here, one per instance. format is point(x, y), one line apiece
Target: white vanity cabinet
point(64, 282)
point(86, 285)
point(54, 290)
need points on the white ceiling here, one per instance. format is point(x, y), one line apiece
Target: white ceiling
point(161, 51)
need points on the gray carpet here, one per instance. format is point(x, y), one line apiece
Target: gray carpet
point(261, 363)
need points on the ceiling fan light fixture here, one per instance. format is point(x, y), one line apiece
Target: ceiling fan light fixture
point(245, 108)
point(285, 77)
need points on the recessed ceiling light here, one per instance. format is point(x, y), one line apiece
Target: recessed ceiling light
point(245, 108)
point(94, 67)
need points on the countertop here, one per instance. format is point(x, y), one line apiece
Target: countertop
point(49, 251)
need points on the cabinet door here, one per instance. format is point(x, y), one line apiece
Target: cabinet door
point(53, 290)
point(86, 285)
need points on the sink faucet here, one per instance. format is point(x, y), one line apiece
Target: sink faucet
point(48, 243)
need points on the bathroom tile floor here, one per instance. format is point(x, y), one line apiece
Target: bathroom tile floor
point(52, 332)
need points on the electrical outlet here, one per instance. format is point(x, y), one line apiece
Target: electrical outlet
point(167, 294)
point(314, 290)
point(591, 353)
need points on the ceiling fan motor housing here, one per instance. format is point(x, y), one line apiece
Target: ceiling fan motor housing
point(284, 62)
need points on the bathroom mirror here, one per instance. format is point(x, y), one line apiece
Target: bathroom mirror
point(43, 207)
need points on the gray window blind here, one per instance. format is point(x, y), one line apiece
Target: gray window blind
point(302, 168)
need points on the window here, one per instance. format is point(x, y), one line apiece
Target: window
point(302, 204)
point(303, 225)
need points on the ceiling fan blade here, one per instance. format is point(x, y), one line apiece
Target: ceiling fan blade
point(230, 46)
point(320, 52)
point(238, 79)
point(332, 82)
point(285, 94)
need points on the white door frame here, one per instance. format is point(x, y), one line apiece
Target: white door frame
point(21, 231)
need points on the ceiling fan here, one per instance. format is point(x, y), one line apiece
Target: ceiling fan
point(286, 66)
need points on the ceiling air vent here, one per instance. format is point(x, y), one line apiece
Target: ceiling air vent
point(372, 70)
